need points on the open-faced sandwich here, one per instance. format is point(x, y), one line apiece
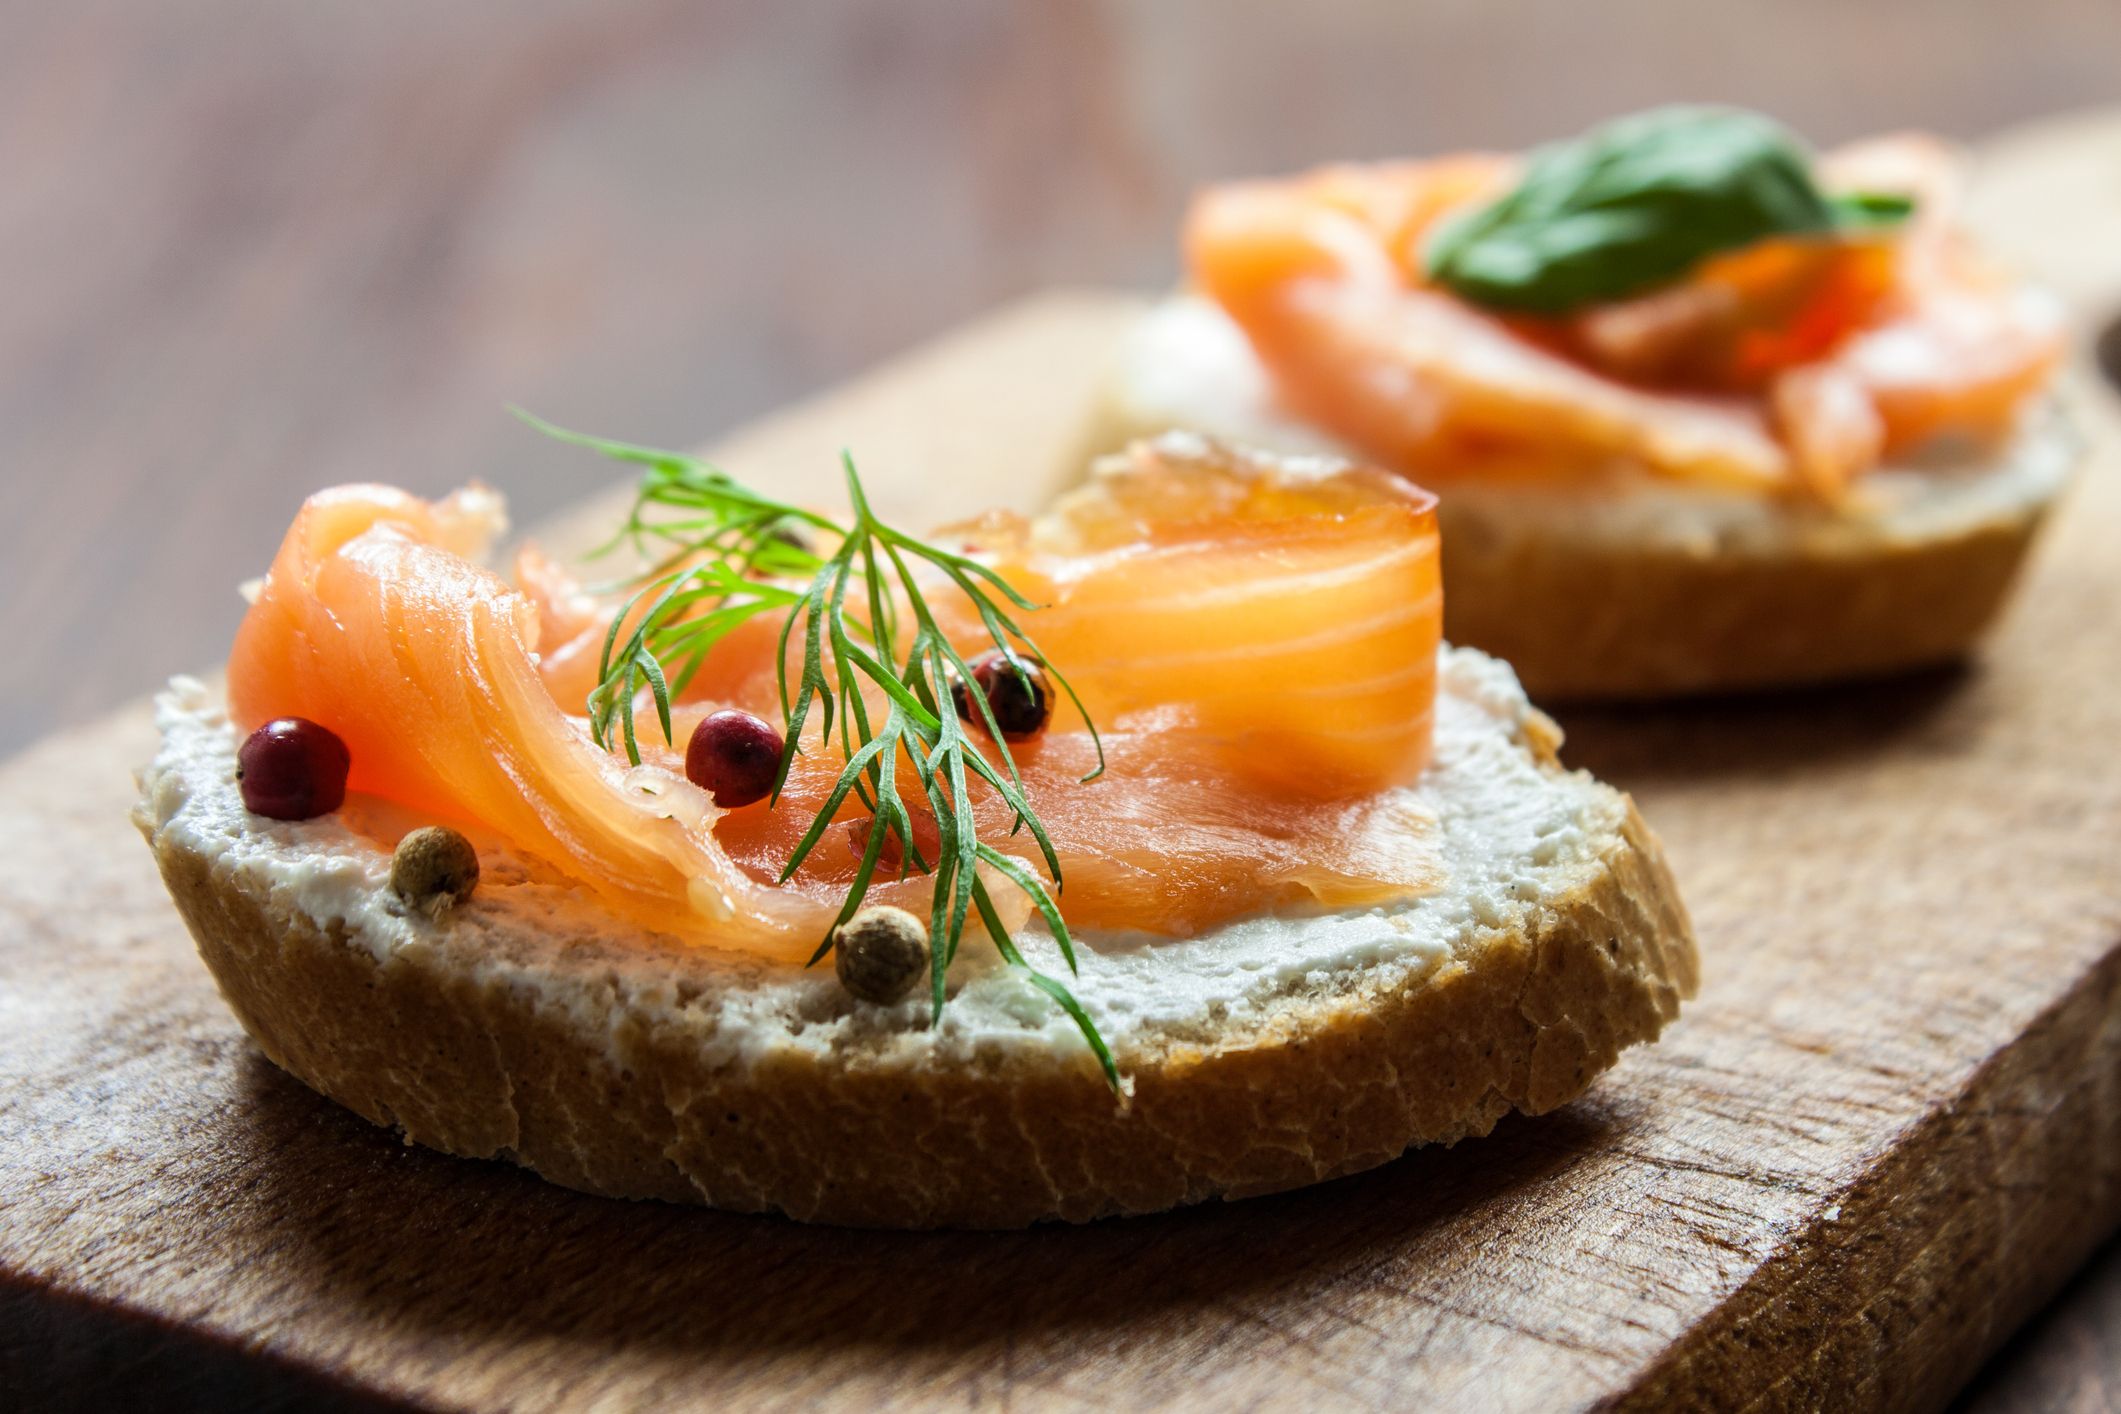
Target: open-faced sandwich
point(1704, 413)
point(1215, 873)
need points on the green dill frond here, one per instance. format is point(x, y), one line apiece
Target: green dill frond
point(719, 554)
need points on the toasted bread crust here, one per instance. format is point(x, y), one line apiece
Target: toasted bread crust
point(1525, 1019)
point(1597, 619)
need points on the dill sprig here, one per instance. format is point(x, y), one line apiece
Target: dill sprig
point(719, 554)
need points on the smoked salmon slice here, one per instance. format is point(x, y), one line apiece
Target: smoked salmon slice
point(374, 622)
point(1169, 839)
point(1290, 614)
point(1793, 364)
point(1258, 643)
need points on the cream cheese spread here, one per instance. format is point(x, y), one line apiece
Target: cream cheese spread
point(1510, 831)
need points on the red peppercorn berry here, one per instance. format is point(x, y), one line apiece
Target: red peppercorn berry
point(733, 756)
point(292, 769)
point(1021, 701)
point(927, 842)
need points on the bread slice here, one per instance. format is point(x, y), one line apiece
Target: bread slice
point(1626, 587)
point(1262, 1055)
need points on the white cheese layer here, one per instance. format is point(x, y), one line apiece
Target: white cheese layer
point(1187, 365)
point(1509, 833)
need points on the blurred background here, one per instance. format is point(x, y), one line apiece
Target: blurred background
point(252, 247)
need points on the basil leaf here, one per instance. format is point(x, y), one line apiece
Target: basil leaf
point(1636, 204)
point(1870, 208)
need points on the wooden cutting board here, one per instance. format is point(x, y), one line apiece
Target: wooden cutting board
point(1888, 1127)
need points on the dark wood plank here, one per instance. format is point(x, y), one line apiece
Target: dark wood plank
point(2067, 1360)
point(1883, 1134)
point(254, 247)
point(257, 246)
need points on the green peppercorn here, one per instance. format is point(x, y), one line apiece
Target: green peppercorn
point(880, 953)
point(434, 868)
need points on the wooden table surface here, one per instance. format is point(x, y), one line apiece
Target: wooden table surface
point(253, 247)
point(1885, 1131)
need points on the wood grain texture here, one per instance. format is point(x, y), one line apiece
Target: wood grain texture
point(253, 247)
point(1891, 1124)
point(1885, 1132)
point(2063, 1362)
